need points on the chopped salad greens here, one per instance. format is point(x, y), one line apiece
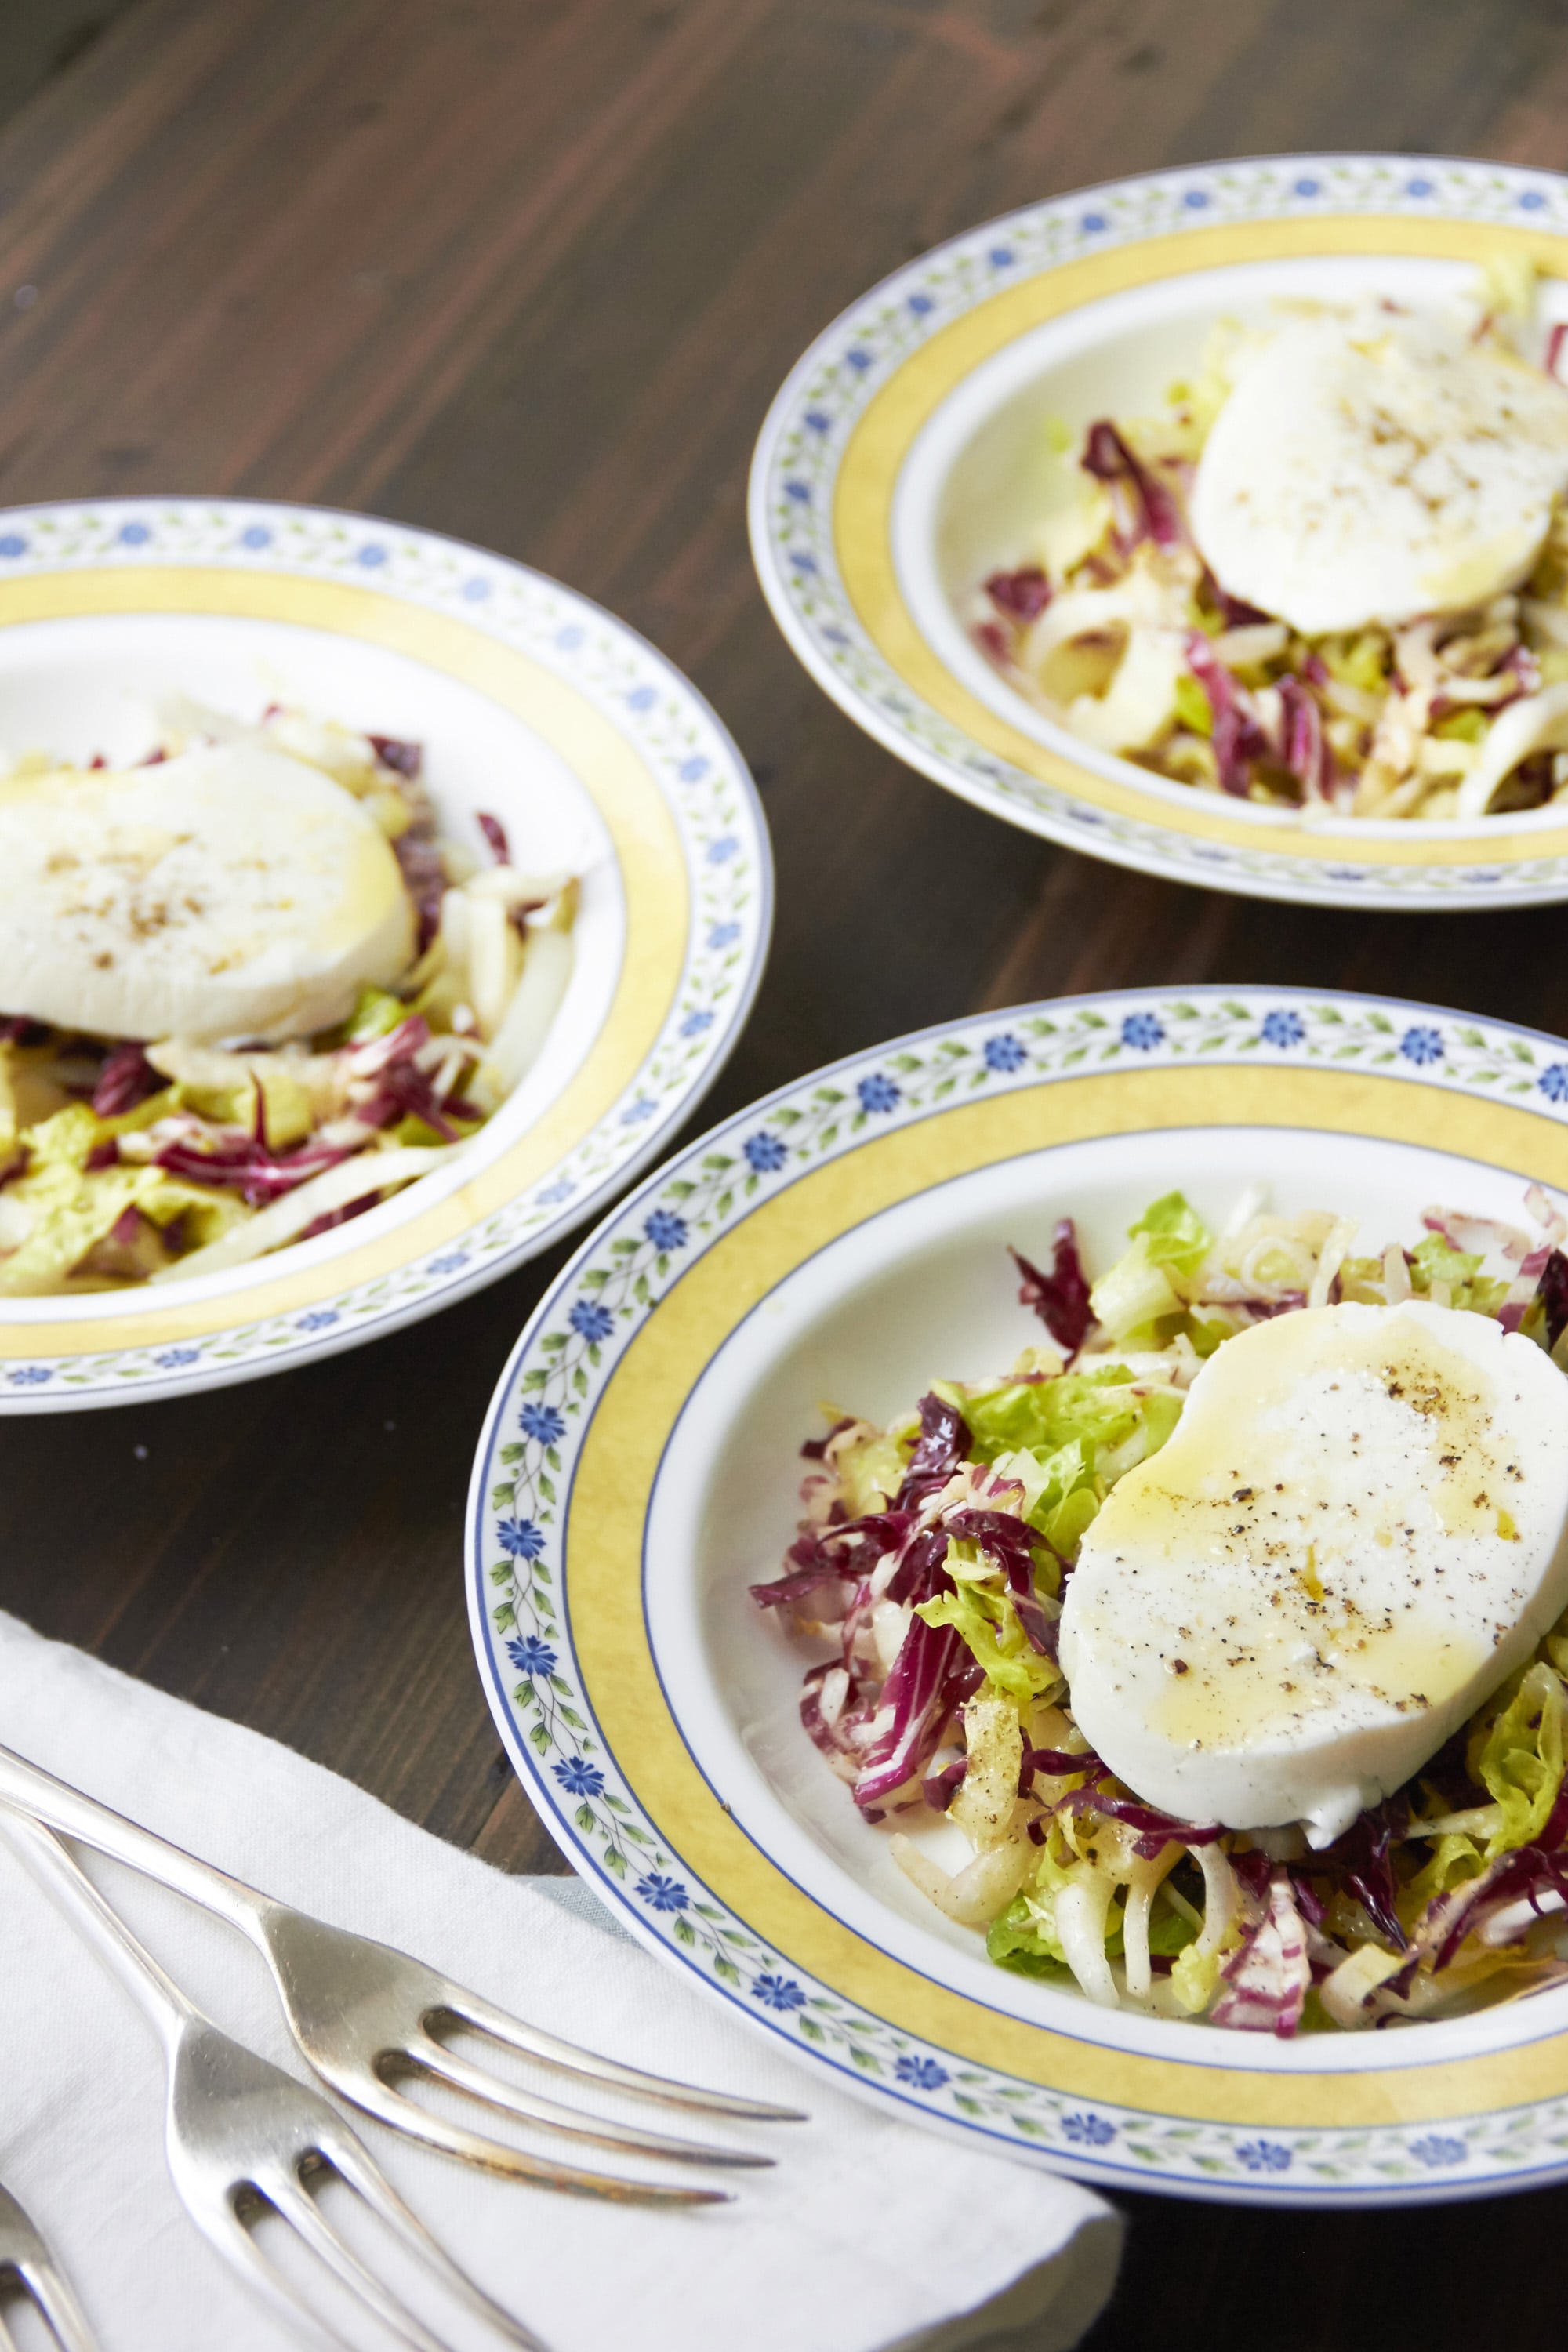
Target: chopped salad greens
point(931, 1560)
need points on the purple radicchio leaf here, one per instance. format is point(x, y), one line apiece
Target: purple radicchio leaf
point(1237, 737)
point(1238, 614)
point(1264, 1983)
point(1362, 1861)
point(811, 1564)
point(423, 876)
point(126, 1078)
point(1022, 594)
point(1529, 1873)
point(938, 1789)
point(1155, 1829)
point(1060, 1298)
point(393, 751)
point(495, 835)
point(933, 1674)
point(1152, 511)
point(942, 1444)
point(919, 1574)
point(1552, 1297)
point(1307, 753)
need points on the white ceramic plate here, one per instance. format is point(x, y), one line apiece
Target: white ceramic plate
point(530, 703)
point(638, 1469)
point(892, 474)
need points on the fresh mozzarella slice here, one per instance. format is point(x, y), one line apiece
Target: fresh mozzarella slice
point(231, 892)
point(1359, 1526)
point(1375, 467)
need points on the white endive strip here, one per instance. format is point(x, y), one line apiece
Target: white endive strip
point(515, 1047)
point(1538, 723)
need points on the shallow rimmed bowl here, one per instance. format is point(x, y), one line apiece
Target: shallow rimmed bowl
point(893, 473)
point(844, 1240)
point(532, 703)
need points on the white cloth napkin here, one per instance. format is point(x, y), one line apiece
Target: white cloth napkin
point(870, 2234)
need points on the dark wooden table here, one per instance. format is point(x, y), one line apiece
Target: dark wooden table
point(528, 271)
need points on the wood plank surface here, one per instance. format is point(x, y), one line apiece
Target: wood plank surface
point(528, 271)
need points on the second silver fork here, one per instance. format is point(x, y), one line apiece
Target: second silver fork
point(26, 2264)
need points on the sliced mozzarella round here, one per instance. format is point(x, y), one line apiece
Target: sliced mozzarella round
point(231, 892)
point(1359, 1526)
point(1373, 468)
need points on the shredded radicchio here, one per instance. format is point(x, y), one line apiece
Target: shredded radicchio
point(784, 1591)
point(1362, 1861)
point(1058, 1761)
point(844, 1552)
point(495, 835)
point(423, 876)
point(1023, 596)
point(944, 1442)
point(244, 1165)
point(1550, 1294)
point(1526, 1874)
point(1237, 737)
point(828, 1736)
point(919, 1574)
point(1155, 1829)
point(406, 1090)
point(1307, 753)
point(933, 1674)
point(1152, 511)
point(1264, 1984)
point(331, 1218)
point(402, 758)
point(126, 1078)
point(938, 1789)
point(1060, 1298)
point(1238, 614)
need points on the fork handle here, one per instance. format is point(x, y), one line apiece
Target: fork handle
point(69, 1886)
point(70, 1810)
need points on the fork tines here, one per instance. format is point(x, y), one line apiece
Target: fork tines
point(26, 2264)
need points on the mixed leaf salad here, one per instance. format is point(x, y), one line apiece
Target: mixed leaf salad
point(124, 1161)
point(931, 1560)
point(1118, 630)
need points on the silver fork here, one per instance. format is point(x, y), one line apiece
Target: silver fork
point(361, 2012)
point(237, 2130)
point(26, 2261)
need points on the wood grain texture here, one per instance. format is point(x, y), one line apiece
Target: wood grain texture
point(528, 271)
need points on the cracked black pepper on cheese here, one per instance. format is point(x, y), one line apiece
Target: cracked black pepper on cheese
point(1358, 1527)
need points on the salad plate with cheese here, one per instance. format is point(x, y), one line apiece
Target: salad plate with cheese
point(369, 906)
point(1211, 522)
point(1033, 1564)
